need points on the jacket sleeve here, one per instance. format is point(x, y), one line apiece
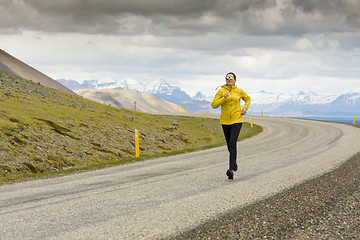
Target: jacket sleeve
point(218, 100)
point(247, 100)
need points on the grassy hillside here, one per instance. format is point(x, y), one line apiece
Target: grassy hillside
point(44, 131)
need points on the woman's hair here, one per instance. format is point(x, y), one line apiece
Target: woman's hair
point(232, 74)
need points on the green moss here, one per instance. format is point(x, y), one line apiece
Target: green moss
point(77, 162)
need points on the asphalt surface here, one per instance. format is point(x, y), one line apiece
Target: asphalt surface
point(323, 208)
point(168, 196)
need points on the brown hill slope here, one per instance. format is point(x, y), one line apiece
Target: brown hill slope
point(125, 99)
point(12, 65)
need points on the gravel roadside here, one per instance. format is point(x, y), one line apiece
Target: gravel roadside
point(327, 207)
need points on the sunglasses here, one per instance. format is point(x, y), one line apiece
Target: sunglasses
point(230, 78)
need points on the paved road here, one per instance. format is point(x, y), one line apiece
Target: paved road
point(164, 196)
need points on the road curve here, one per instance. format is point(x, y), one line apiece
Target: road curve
point(165, 196)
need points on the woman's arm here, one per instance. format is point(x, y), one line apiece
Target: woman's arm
point(218, 100)
point(247, 100)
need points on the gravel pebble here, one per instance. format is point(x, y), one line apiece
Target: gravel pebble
point(327, 207)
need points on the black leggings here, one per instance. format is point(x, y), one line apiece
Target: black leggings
point(231, 133)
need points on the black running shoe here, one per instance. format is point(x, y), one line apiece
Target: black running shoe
point(235, 167)
point(230, 174)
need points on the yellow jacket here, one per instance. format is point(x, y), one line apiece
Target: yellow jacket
point(230, 107)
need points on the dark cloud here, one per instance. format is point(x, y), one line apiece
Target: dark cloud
point(115, 7)
point(333, 13)
point(91, 16)
point(182, 17)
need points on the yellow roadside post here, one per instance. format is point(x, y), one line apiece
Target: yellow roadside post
point(204, 116)
point(262, 113)
point(354, 119)
point(251, 123)
point(137, 147)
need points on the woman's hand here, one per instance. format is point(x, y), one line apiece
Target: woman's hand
point(243, 112)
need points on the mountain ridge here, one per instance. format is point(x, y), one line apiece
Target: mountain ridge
point(160, 89)
point(14, 66)
point(302, 103)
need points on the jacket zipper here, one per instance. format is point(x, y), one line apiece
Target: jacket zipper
point(230, 104)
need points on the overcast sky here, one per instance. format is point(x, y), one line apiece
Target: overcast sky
point(273, 45)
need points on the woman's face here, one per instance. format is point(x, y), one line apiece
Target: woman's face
point(230, 80)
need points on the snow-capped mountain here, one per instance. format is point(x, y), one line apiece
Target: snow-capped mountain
point(114, 84)
point(201, 97)
point(352, 98)
point(164, 90)
point(278, 104)
point(303, 98)
point(265, 97)
point(305, 104)
point(160, 87)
